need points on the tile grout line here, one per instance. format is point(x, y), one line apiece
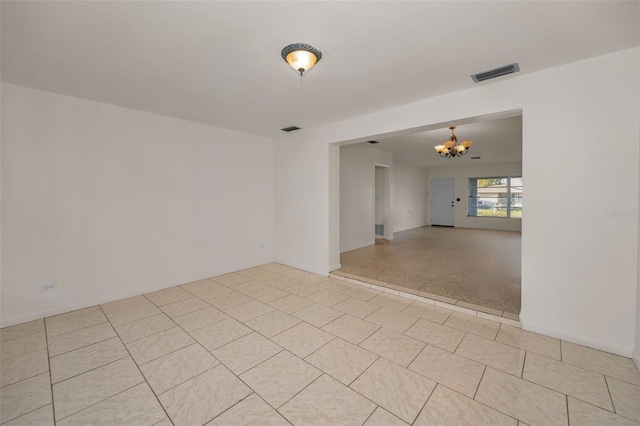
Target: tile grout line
point(19, 337)
point(417, 355)
point(484, 370)
point(255, 366)
point(101, 401)
point(497, 332)
point(85, 346)
point(138, 367)
point(46, 337)
point(479, 402)
point(606, 382)
point(594, 371)
point(93, 369)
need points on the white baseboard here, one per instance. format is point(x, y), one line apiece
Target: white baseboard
point(70, 308)
point(92, 302)
point(580, 340)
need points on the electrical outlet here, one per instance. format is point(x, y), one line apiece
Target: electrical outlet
point(48, 287)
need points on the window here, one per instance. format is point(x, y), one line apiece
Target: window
point(495, 197)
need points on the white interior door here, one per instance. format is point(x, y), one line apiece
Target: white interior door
point(442, 201)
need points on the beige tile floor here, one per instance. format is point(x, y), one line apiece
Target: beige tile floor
point(275, 345)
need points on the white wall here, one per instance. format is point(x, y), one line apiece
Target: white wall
point(357, 193)
point(461, 177)
point(303, 218)
point(109, 202)
point(410, 188)
point(636, 351)
point(334, 214)
point(579, 269)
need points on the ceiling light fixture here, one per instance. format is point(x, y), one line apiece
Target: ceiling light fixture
point(451, 148)
point(301, 57)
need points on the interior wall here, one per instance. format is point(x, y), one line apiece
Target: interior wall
point(108, 202)
point(334, 214)
point(357, 195)
point(303, 219)
point(461, 177)
point(410, 188)
point(636, 352)
point(579, 268)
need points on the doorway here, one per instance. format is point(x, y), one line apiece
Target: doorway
point(379, 202)
point(443, 202)
point(382, 203)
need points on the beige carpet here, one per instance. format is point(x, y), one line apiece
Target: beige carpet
point(472, 265)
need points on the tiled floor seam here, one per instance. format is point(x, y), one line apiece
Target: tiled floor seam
point(479, 381)
point(139, 338)
point(606, 382)
point(252, 393)
point(595, 371)
point(205, 326)
point(367, 419)
point(157, 423)
point(460, 342)
point(506, 414)
point(332, 378)
point(92, 369)
point(139, 370)
point(562, 393)
point(480, 402)
point(190, 378)
point(197, 310)
point(46, 338)
point(575, 397)
point(77, 329)
point(97, 402)
point(82, 347)
point(20, 337)
point(296, 394)
point(426, 402)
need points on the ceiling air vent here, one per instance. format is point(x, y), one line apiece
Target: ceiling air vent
point(475, 158)
point(373, 142)
point(290, 128)
point(498, 72)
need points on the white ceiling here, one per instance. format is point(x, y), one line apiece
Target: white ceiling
point(494, 141)
point(219, 62)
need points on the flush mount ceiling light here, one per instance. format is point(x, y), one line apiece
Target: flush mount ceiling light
point(301, 57)
point(451, 148)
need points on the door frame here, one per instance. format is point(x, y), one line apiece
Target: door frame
point(387, 222)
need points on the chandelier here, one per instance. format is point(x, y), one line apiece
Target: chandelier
point(451, 148)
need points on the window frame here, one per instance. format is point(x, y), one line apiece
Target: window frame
point(508, 196)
